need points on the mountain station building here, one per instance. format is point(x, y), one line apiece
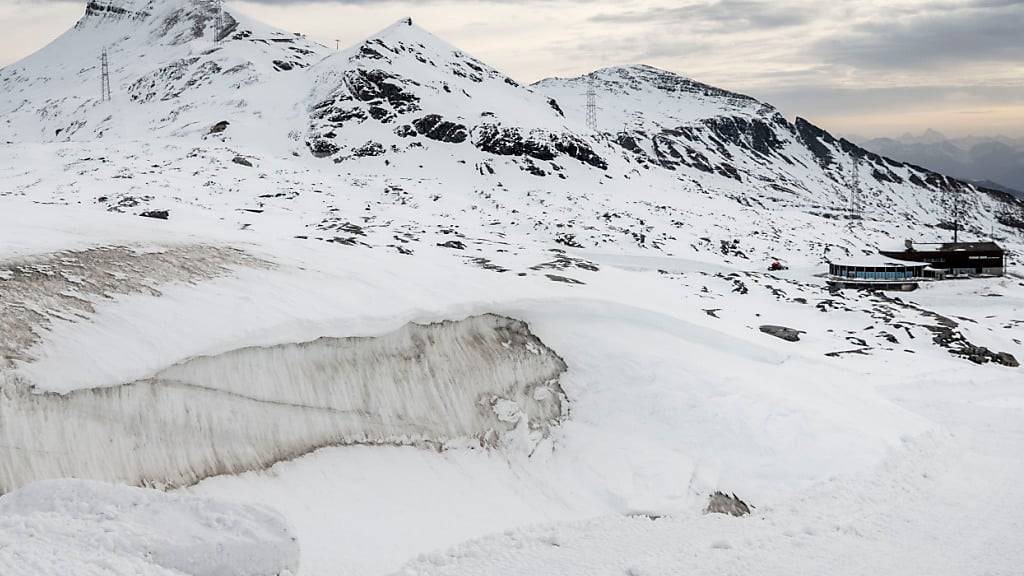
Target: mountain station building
point(878, 272)
point(956, 258)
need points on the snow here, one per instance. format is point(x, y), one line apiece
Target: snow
point(82, 527)
point(945, 503)
point(448, 360)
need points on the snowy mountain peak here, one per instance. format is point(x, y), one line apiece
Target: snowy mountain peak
point(117, 10)
point(403, 87)
point(638, 95)
point(642, 76)
point(164, 21)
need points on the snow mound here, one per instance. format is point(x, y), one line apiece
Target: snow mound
point(89, 528)
point(469, 382)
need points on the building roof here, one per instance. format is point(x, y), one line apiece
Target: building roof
point(950, 247)
point(970, 247)
point(875, 260)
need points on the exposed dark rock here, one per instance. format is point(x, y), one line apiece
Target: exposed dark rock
point(576, 148)
point(487, 264)
point(405, 131)
point(157, 214)
point(837, 354)
point(369, 149)
point(436, 128)
point(322, 148)
point(339, 116)
point(722, 503)
point(812, 137)
point(566, 239)
point(554, 106)
point(382, 115)
point(369, 85)
point(219, 127)
point(787, 334)
point(754, 134)
point(564, 262)
point(242, 161)
point(628, 142)
point(532, 168)
point(365, 51)
point(1006, 359)
point(511, 142)
point(454, 244)
point(563, 279)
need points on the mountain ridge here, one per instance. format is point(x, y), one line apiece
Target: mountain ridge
point(403, 119)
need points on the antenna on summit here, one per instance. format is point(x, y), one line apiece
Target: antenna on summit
point(218, 15)
point(104, 76)
point(220, 20)
point(591, 103)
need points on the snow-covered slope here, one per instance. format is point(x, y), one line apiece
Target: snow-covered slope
point(175, 69)
point(406, 141)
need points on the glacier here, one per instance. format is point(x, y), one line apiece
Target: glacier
point(407, 301)
point(468, 382)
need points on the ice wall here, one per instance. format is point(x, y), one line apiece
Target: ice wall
point(430, 385)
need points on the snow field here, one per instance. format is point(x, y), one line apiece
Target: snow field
point(84, 528)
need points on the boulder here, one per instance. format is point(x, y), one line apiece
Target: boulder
point(787, 334)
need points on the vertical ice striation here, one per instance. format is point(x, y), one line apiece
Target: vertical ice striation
point(430, 385)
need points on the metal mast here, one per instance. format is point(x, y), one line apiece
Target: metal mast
point(220, 19)
point(956, 214)
point(104, 76)
point(855, 204)
point(591, 103)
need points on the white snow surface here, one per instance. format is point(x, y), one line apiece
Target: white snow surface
point(86, 528)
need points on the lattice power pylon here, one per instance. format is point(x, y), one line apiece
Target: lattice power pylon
point(220, 19)
point(856, 206)
point(105, 95)
point(591, 103)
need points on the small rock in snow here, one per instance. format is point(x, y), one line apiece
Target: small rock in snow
point(787, 334)
point(722, 503)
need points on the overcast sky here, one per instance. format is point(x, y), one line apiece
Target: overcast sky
point(856, 67)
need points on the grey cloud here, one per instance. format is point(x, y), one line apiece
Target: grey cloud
point(814, 100)
point(722, 14)
point(983, 31)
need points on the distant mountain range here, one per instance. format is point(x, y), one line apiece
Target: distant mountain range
point(996, 162)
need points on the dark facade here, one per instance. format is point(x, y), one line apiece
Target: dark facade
point(961, 258)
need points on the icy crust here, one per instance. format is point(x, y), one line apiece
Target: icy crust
point(453, 383)
point(77, 527)
point(35, 291)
